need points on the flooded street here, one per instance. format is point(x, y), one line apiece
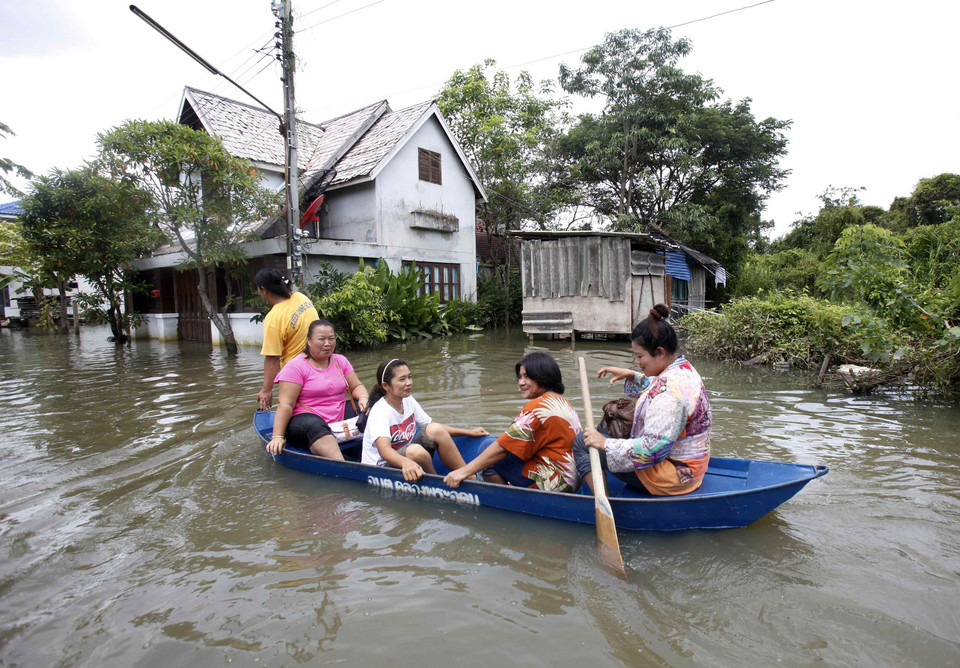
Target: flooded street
point(141, 524)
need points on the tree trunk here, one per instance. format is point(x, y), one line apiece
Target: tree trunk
point(114, 317)
point(221, 323)
point(63, 328)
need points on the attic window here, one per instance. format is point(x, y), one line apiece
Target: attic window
point(429, 166)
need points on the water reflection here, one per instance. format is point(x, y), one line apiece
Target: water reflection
point(141, 524)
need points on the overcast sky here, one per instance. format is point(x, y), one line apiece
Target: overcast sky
point(871, 86)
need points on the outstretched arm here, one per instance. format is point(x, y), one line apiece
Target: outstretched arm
point(616, 373)
point(460, 431)
point(492, 454)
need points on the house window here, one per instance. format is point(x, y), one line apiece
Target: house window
point(680, 290)
point(439, 278)
point(429, 166)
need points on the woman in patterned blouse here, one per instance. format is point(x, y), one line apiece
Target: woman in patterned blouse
point(536, 450)
point(669, 445)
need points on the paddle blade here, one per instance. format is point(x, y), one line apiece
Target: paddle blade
point(606, 528)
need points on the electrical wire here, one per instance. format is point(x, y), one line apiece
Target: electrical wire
point(314, 11)
point(338, 16)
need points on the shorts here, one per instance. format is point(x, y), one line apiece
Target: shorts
point(305, 429)
point(420, 439)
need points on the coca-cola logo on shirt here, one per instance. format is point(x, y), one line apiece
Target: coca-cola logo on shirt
point(401, 434)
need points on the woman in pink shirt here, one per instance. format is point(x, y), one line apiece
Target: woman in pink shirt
point(313, 389)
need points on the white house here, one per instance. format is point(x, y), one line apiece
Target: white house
point(396, 188)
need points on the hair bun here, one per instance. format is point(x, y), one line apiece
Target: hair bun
point(660, 312)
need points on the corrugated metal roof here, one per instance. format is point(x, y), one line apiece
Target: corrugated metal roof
point(677, 265)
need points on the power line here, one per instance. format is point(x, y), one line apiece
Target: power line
point(338, 16)
point(314, 11)
point(435, 86)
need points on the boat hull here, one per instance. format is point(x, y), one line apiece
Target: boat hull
point(735, 492)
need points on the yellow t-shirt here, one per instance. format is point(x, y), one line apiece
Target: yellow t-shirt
point(285, 327)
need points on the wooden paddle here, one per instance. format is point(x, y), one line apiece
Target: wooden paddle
point(606, 529)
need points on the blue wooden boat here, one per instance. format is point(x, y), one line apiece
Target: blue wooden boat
point(734, 493)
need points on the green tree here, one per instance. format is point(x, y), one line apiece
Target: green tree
point(8, 166)
point(664, 149)
point(928, 204)
point(840, 208)
point(85, 223)
point(204, 200)
point(28, 269)
point(506, 130)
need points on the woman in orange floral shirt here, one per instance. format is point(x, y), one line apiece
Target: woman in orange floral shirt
point(537, 448)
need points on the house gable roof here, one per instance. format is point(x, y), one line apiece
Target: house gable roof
point(367, 158)
point(10, 209)
point(246, 131)
point(357, 145)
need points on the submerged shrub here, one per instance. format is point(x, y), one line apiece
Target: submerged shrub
point(357, 310)
point(788, 327)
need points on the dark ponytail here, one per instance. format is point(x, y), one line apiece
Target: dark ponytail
point(655, 332)
point(273, 280)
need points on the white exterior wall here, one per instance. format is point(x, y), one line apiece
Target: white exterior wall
point(246, 333)
point(597, 314)
point(160, 326)
point(400, 192)
point(351, 214)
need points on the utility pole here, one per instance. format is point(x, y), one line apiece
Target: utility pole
point(294, 256)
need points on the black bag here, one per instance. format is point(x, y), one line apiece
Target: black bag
point(618, 417)
point(362, 420)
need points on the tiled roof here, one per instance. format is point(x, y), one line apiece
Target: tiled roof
point(354, 144)
point(250, 132)
point(377, 142)
point(337, 132)
point(11, 208)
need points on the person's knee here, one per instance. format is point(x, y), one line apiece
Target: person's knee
point(419, 454)
point(581, 455)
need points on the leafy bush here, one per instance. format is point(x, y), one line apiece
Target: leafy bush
point(357, 310)
point(459, 315)
point(326, 281)
point(497, 301)
point(794, 269)
point(409, 313)
point(791, 328)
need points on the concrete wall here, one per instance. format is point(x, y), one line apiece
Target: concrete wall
point(247, 333)
point(351, 214)
point(160, 326)
point(404, 202)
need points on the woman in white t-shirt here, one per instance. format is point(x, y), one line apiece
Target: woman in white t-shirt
point(390, 437)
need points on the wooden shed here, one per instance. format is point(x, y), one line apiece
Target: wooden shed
point(605, 282)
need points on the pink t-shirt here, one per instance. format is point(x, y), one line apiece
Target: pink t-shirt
point(321, 390)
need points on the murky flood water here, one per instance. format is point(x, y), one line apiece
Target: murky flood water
point(142, 525)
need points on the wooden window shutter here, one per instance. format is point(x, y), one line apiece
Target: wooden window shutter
point(429, 166)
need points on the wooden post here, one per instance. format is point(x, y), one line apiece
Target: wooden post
point(823, 369)
point(76, 317)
